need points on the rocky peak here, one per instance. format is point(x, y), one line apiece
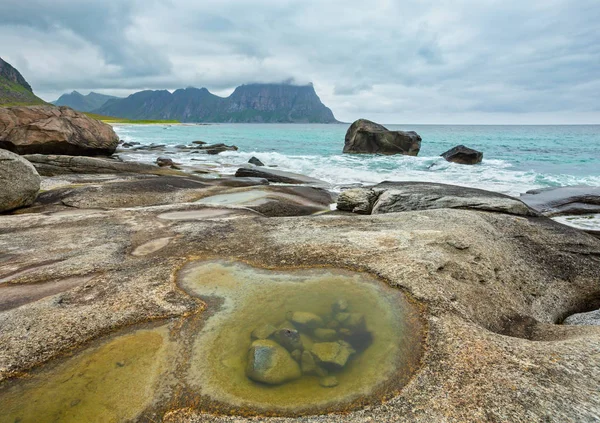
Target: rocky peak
point(12, 75)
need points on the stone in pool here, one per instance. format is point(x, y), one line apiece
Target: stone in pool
point(242, 298)
point(303, 319)
point(270, 363)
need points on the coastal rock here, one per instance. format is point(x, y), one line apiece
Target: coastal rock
point(279, 176)
point(591, 318)
point(216, 148)
point(358, 200)
point(53, 165)
point(270, 363)
point(54, 130)
point(463, 155)
point(366, 137)
point(562, 201)
point(164, 161)
point(409, 196)
point(19, 180)
point(253, 160)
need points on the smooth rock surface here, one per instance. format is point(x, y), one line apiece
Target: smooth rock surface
point(560, 201)
point(255, 161)
point(390, 197)
point(269, 363)
point(463, 155)
point(54, 130)
point(368, 137)
point(279, 176)
point(19, 182)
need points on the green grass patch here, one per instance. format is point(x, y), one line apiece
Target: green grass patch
point(110, 119)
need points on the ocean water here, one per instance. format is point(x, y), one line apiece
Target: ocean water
point(516, 158)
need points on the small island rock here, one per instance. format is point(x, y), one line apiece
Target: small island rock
point(463, 155)
point(366, 137)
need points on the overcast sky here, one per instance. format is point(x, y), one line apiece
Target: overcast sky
point(403, 61)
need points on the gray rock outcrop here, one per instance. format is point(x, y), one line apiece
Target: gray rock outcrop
point(559, 201)
point(54, 130)
point(19, 182)
point(366, 137)
point(591, 318)
point(278, 176)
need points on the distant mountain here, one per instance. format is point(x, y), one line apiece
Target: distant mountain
point(14, 89)
point(269, 103)
point(83, 103)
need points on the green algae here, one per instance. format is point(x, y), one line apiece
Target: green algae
point(252, 298)
point(110, 383)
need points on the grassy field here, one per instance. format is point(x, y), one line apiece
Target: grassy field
point(110, 119)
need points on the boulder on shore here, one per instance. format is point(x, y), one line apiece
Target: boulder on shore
point(54, 130)
point(19, 180)
point(463, 155)
point(366, 137)
point(278, 176)
point(562, 201)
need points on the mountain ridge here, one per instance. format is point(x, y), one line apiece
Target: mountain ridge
point(83, 103)
point(14, 89)
point(249, 103)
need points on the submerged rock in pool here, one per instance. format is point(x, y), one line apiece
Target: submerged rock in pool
point(270, 363)
point(306, 320)
point(263, 332)
point(332, 355)
point(289, 339)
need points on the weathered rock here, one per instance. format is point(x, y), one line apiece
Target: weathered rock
point(561, 201)
point(52, 165)
point(19, 182)
point(288, 339)
point(591, 318)
point(303, 319)
point(323, 334)
point(328, 382)
point(270, 363)
point(264, 331)
point(164, 161)
point(463, 155)
point(54, 130)
point(253, 160)
point(216, 148)
point(279, 176)
point(332, 355)
point(409, 196)
point(307, 363)
point(368, 137)
point(199, 142)
point(297, 355)
point(357, 200)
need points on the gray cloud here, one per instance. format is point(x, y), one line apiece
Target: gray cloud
point(423, 60)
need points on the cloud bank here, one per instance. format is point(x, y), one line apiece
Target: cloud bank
point(410, 61)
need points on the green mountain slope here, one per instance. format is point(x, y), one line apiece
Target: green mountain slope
point(14, 89)
point(269, 103)
point(83, 103)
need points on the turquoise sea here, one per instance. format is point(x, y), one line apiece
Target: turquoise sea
point(516, 158)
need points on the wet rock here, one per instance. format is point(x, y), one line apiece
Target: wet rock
point(591, 318)
point(216, 148)
point(332, 324)
point(305, 320)
point(263, 332)
point(199, 142)
point(307, 341)
point(368, 137)
point(325, 334)
point(289, 339)
point(339, 306)
point(270, 363)
point(19, 181)
point(328, 382)
point(164, 161)
point(342, 317)
point(54, 130)
point(410, 196)
point(355, 321)
point(253, 160)
point(463, 155)
point(240, 182)
point(332, 355)
point(52, 165)
point(279, 176)
point(360, 339)
point(286, 324)
point(562, 201)
point(297, 355)
point(307, 363)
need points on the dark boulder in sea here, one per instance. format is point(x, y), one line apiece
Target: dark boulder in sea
point(54, 130)
point(20, 181)
point(164, 161)
point(366, 137)
point(278, 176)
point(255, 161)
point(463, 155)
